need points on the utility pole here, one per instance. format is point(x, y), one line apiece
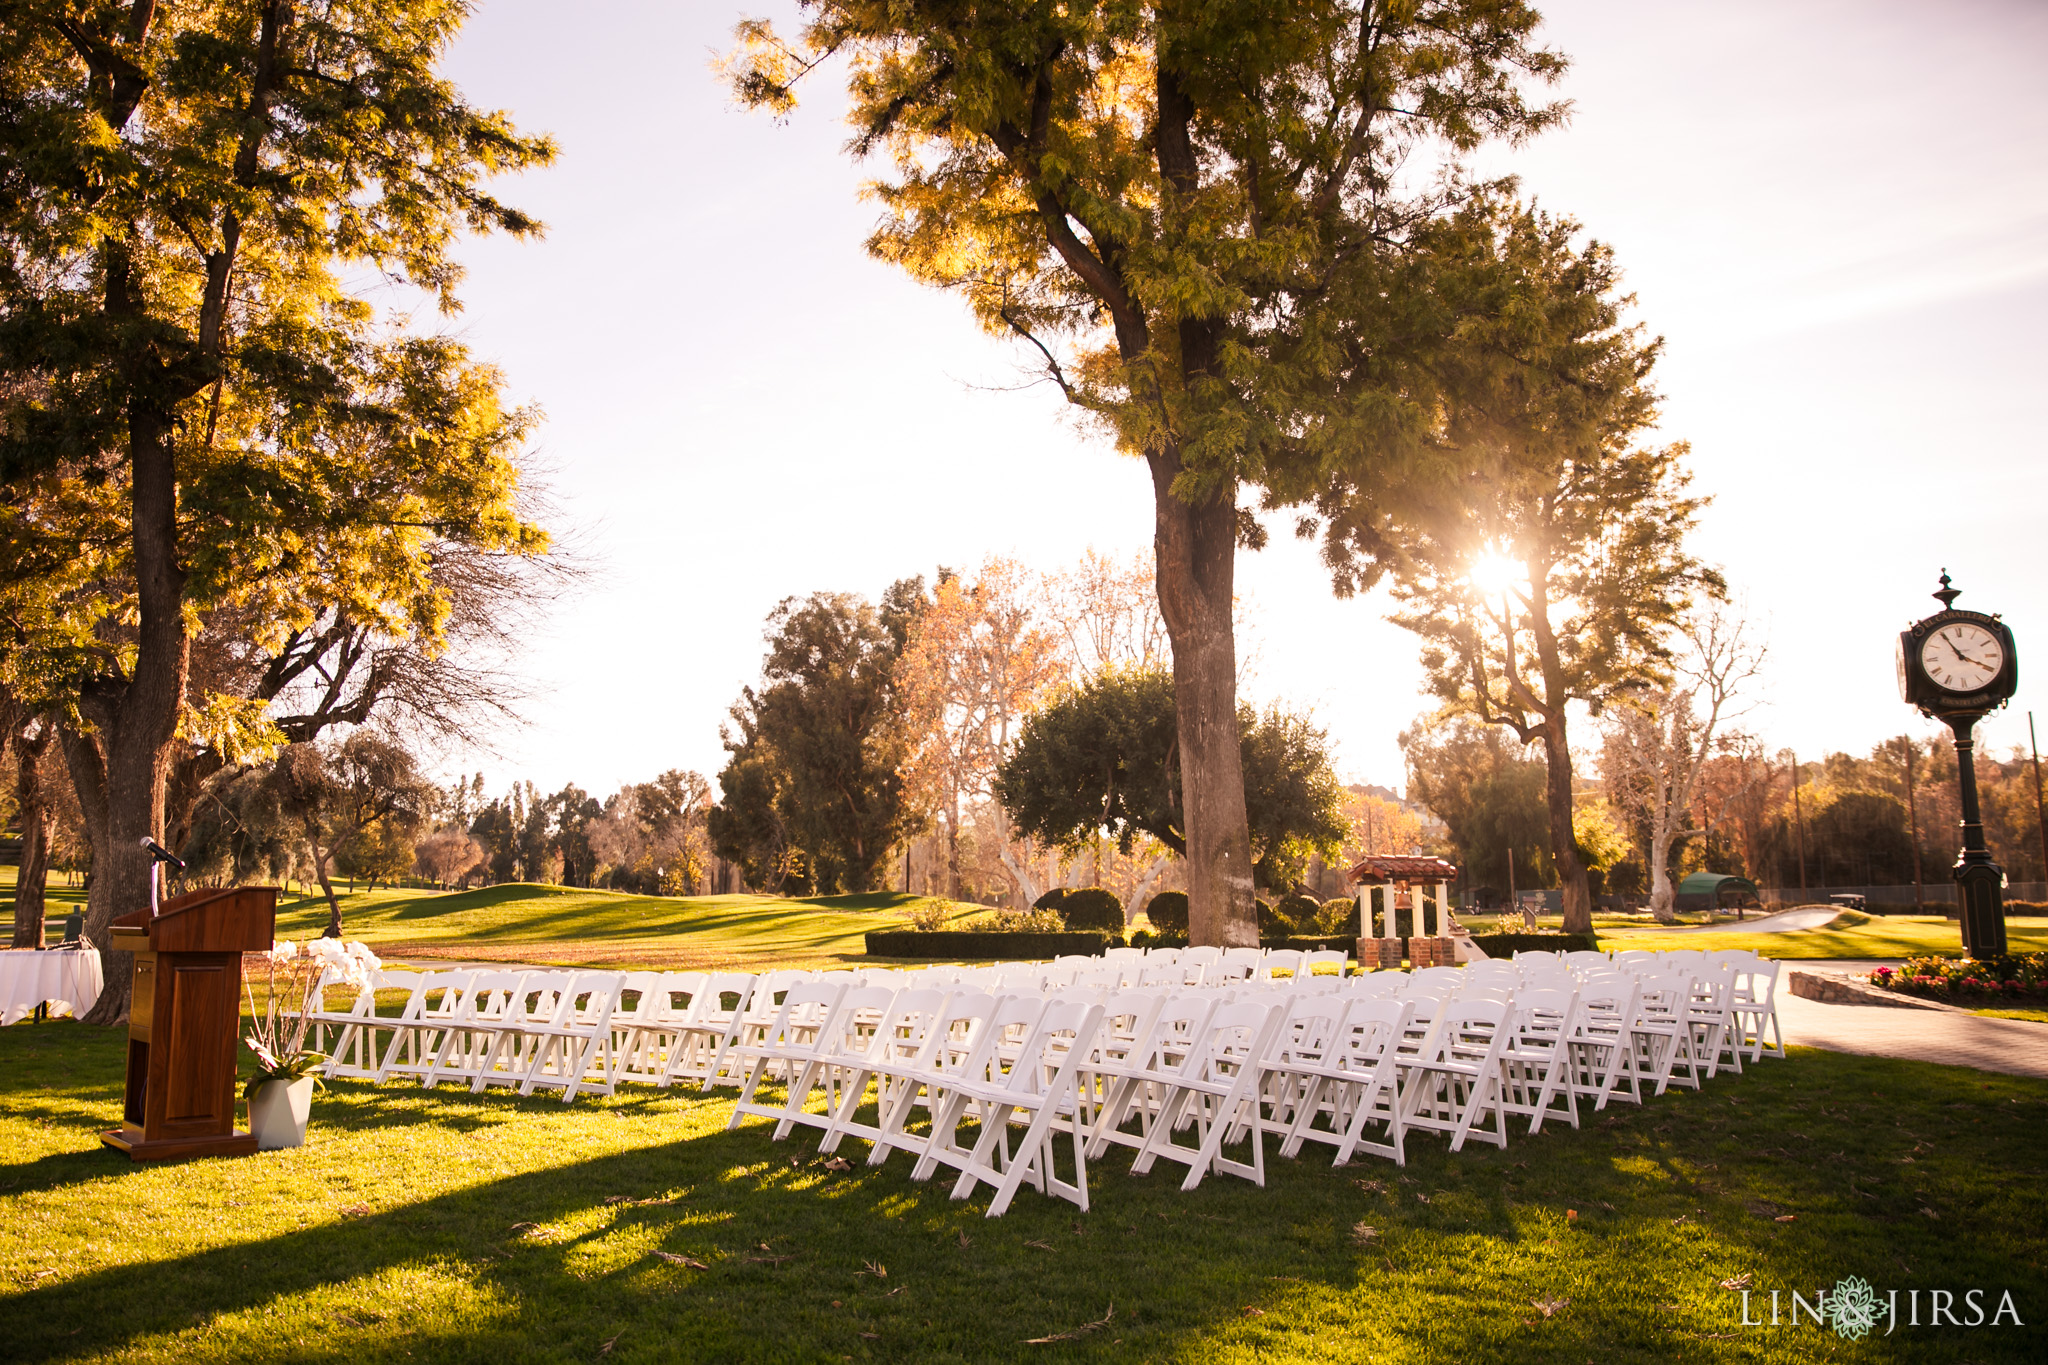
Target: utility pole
point(1799, 824)
point(1912, 760)
point(2040, 809)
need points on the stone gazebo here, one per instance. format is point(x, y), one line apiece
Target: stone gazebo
point(1381, 879)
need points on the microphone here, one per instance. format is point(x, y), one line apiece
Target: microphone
point(162, 854)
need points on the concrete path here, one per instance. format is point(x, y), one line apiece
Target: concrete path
point(2017, 1047)
point(1807, 917)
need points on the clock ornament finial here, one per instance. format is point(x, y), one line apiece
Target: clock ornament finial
point(1947, 596)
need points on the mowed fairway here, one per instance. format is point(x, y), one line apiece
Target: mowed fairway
point(563, 926)
point(1876, 936)
point(439, 1226)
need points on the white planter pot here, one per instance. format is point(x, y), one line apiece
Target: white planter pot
point(278, 1112)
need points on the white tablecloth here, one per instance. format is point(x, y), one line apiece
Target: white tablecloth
point(27, 979)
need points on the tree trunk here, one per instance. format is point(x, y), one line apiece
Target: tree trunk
point(1662, 898)
point(1196, 545)
point(333, 929)
point(1564, 847)
point(38, 824)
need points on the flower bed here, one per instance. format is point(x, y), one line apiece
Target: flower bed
point(2014, 977)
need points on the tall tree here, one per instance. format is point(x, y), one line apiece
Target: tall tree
point(335, 795)
point(812, 793)
point(1660, 740)
point(1489, 794)
point(976, 663)
point(186, 191)
point(1194, 215)
point(1541, 555)
point(27, 738)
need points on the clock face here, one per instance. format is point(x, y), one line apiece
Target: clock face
point(1962, 658)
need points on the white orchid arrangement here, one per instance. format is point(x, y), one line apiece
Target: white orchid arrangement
point(278, 1033)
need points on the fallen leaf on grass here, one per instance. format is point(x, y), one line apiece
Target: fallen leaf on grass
point(874, 1268)
point(1785, 1218)
point(1252, 1312)
point(1739, 1282)
point(871, 1336)
point(966, 1241)
point(1362, 1234)
point(894, 1292)
point(1421, 1196)
point(618, 1199)
point(1075, 1333)
point(1548, 1307)
point(354, 1210)
point(606, 1349)
point(689, 1261)
point(1042, 1246)
point(1931, 1214)
point(838, 1163)
point(1371, 1186)
point(1571, 1215)
point(766, 1260)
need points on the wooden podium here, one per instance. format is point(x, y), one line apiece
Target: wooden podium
point(184, 1021)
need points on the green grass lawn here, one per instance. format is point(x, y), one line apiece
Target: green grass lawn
point(2032, 1016)
point(437, 1226)
point(1876, 936)
point(566, 927)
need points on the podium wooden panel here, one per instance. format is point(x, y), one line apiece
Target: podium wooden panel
point(184, 1021)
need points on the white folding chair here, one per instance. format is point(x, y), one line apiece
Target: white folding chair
point(1454, 1083)
point(1537, 1063)
point(1321, 957)
point(838, 1064)
point(1356, 1084)
point(1662, 1033)
point(888, 1053)
point(1216, 1091)
point(1042, 1092)
point(955, 1046)
point(1756, 1007)
point(436, 999)
point(1600, 1051)
point(575, 1049)
point(757, 1015)
point(466, 1043)
point(967, 1064)
point(800, 1032)
point(644, 1024)
point(706, 1026)
point(357, 1050)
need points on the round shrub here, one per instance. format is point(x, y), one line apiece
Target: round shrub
point(1339, 916)
point(1091, 907)
point(1298, 913)
point(1051, 900)
point(1168, 912)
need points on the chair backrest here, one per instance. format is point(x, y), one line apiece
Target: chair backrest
point(765, 998)
point(1235, 1037)
point(1544, 1011)
point(1470, 1028)
point(905, 1032)
point(1323, 957)
point(1309, 1030)
point(438, 995)
point(1163, 954)
point(1534, 953)
point(1116, 954)
point(1205, 954)
point(1372, 1029)
point(677, 995)
point(1629, 955)
point(1584, 960)
point(495, 995)
point(1279, 960)
point(1430, 976)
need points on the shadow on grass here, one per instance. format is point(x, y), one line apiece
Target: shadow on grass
point(544, 1265)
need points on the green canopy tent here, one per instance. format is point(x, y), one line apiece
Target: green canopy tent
point(1716, 891)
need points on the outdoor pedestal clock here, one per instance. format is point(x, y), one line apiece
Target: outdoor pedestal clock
point(1958, 666)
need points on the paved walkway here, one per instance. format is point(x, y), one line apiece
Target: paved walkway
point(1808, 917)
point(2017, 1047)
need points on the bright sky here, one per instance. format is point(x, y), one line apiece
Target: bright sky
point(1836, 213)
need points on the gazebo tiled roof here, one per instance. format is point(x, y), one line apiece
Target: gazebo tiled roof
point(1399, 867)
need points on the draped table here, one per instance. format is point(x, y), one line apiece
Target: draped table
point(28, 978)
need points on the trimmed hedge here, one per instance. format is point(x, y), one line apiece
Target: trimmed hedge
point(1091, 907)
point(1168, 912)
point(1507, 945)
point(972, 943)
point(1051, 900)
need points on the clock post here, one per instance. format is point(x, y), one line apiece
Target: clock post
point(1958, 667)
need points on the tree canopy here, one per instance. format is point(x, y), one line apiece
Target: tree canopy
point(812, 792)
point(202, 409)
point(1199, 219)
point(1100, 761)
